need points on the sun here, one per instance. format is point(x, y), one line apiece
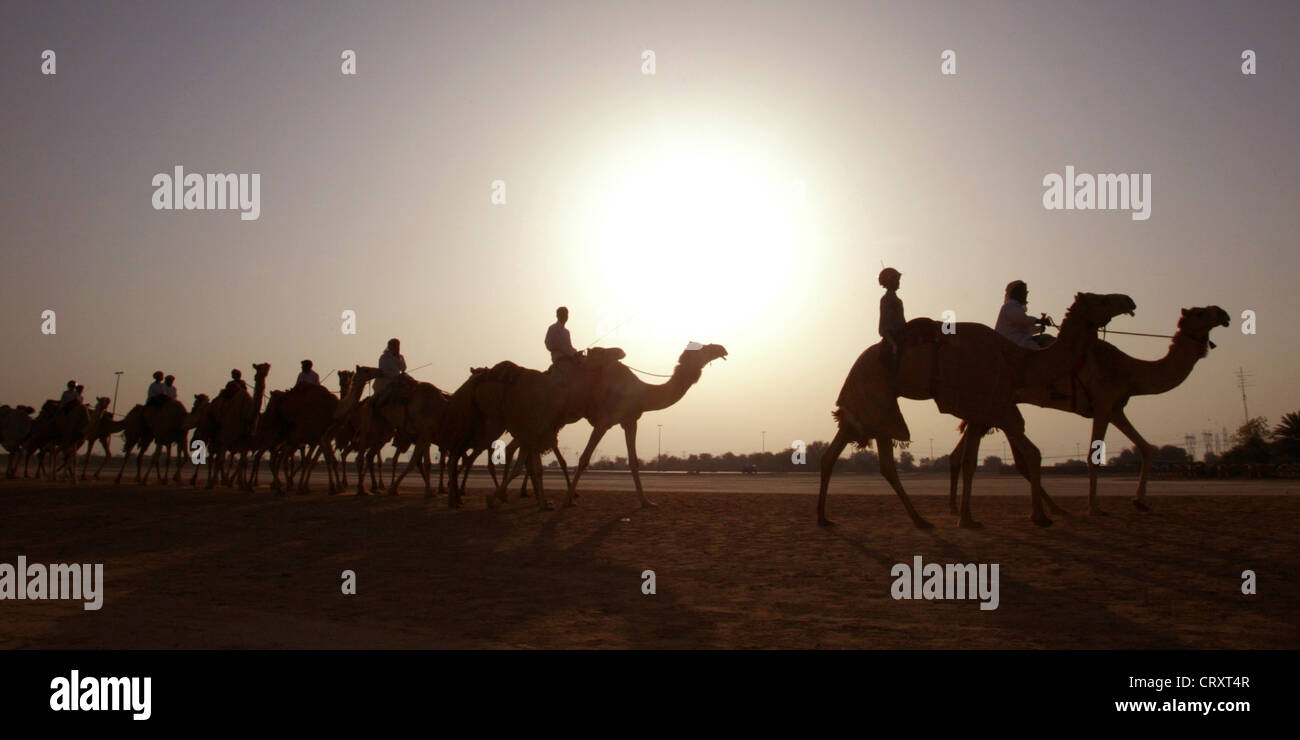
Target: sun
point(694, 240)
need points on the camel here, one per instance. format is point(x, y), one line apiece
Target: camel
point(973, 374)
point(59, 430)
point(344, 431)
point(1106, 382)
point(15, 425)
point(268, 437)
point(533, 406)
point(95, 433)
point(416, 409)
point(235, 414)
point(134, 434)
point(169, 424)
point(307, 411)
point(626, 397)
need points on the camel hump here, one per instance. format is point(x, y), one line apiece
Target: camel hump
point(504, 372)
point(605, 355)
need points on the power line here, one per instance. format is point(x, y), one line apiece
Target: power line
point(1243, 382)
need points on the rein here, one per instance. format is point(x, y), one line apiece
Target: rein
point(1105, 331)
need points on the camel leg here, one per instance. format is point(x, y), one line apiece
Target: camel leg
point(397, 479)
point(508, 471)
point(304, 468)
point(108, 455)
point(585, 459)
point(535, 470)
point(426, 469)
point(1023, 469)
point(126, 459)
point(970, 445)
point(1033, 461)
point(85, 467)
point(885, 450)
point(629, 433)
point(442, 471)
point(376, 467)
point(1147, 450)
point(153, 463)
point(954, 470)
point(1099, 424)
point(455, 481)
point(214, 470)
point(829, 457)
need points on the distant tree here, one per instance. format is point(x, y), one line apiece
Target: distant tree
point(1286, 437)
point(1251, 444)
point(906, 462)
point(992, 464)
point(1127, 458)
point(1170, 453)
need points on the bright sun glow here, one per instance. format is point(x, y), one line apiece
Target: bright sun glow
point(695, 242)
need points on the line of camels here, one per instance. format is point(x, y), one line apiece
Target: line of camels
point(236, 431)
point(972, 373)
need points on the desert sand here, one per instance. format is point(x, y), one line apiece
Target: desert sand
point(739, 562)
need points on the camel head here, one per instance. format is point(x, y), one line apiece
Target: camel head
point(698, 355)
point(102, 402)
point(27, 410)
point(1099, 308)
point(1196, 323)
point(365, 374)
point(260, 370)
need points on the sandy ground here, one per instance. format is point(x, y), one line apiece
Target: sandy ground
point(739, 563)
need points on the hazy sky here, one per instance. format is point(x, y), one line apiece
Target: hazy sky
point(744, 194)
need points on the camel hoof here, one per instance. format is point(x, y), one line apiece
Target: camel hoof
point(547, 506)
point(969, 523)
point(1140, 505)
point(1041, 520)
point(922, 524)
point(824, 522)
point(392, 492)
point(1096, 511)
point(362, 492)
point(429, 494)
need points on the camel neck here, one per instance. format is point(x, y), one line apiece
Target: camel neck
point(1172, 369)
point(1076, 336)
point(665, 394)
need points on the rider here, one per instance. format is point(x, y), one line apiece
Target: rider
point(392, 367)
point(891, 317)
point(169, 386)
point(157, 394)
point(308, 375)
point(557, 337)
point(70, 396)
point(235, 386)
point(1016, 324)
